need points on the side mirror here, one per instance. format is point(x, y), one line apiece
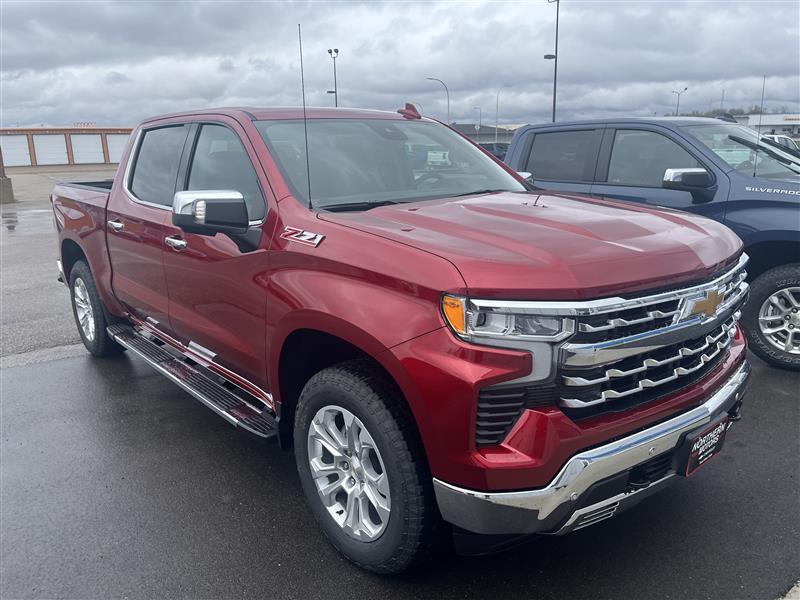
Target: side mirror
point(681, 179)
point(208, 212)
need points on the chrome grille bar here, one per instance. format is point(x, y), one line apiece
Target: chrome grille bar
point(713, 345)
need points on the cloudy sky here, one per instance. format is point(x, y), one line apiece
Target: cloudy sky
point(114, 63)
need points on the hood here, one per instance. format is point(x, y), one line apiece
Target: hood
point(551, 247)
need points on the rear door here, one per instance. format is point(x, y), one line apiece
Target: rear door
point(632, 163)
point(563, 160)
point(138, 211)
point(217, 292)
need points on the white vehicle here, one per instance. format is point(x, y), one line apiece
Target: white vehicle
point(784, 140)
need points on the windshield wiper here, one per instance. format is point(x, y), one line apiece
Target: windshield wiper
point(348, 206)
point(477, 192)
point(761, 147)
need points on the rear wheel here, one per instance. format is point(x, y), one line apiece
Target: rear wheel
point(90, 315)
point(772, 316)
point(362, 467)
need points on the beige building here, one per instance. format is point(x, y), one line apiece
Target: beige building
point(32, 146)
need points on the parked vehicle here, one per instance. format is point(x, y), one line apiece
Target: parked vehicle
point(431, 343)
point(783, 140)
point(719, 170)
point(496, 149)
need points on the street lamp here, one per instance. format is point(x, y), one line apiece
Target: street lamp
point(496, 116)
point(480, 122)
point(446, 91)
point(554, 57)
point(334, 53)
point(678, 103)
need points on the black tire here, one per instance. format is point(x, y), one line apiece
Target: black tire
point(100, 344)
point(409, 534)
point(764, 286)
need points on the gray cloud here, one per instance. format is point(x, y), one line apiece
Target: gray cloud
point(115, 63)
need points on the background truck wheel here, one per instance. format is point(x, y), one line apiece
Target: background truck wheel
point(772, 316)
point(362, 468)
point(90, 315)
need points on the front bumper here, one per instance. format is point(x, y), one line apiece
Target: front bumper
point(578, 495)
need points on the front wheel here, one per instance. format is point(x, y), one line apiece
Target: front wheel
point(772, 316)
point(90, 315)
point(362, 468)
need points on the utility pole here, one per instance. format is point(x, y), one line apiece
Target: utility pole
point(334, 52)
point(722, 101)
point(480, 123)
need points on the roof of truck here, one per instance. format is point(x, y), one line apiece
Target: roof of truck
point(666, 121)
point(287, 112)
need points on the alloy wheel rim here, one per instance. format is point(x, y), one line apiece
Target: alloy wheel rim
point(779, 320)
point(83, 308)
point(348, 472)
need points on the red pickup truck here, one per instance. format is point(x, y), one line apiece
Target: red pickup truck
point(437, 342)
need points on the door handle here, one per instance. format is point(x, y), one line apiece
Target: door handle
point(116, 225)
point(175, 242)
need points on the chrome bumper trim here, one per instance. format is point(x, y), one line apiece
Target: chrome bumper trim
point(544, 510)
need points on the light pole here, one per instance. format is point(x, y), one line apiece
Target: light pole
point(496, 116)
point(480, 122)
point(334, 52)
point(446, 91)
point(678, 103)
point(554, 57)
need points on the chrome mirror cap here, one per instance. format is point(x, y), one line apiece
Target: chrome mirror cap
point(193, 202)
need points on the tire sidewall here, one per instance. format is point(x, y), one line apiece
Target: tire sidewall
point(81, 271)
point(366, 553)
point(762, 288)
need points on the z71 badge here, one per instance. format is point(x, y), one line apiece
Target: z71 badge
point(308, 238)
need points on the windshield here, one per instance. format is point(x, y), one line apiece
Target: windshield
point(361, 162)
point(742, 149)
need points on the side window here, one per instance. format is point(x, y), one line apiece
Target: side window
point(156, 166)
point(641, 157)
point(221, 163)
point(563, 155)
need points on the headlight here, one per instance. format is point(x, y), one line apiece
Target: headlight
point(479, 323)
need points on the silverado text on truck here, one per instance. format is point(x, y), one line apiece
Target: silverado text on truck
point(436, 342)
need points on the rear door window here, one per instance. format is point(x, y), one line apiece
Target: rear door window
point(564, 155)
point(640, 158)
point(155, 170)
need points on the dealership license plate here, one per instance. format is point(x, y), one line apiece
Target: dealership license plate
point(705, 445)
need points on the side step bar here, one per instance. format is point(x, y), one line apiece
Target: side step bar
point(216, 397)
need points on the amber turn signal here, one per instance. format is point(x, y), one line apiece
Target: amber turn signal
point(454, 311)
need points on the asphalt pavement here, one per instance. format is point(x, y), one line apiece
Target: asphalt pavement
point(115, 483)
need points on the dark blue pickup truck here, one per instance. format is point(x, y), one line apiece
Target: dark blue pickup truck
point(718, 169)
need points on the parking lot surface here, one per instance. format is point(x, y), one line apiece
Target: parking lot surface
point(115, 483)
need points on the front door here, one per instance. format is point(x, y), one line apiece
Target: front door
point(217, 292)
point(138, 212)
point(633, 161)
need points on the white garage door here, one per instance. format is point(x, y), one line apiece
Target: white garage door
point(51, 149)
point(15, 150)
point(87, 148)
point(116, 144)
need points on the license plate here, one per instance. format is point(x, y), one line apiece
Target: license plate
point(705, 445)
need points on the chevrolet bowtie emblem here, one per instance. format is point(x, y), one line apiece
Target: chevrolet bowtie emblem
point(704, 306)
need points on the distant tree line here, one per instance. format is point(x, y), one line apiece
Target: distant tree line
point(753, 110)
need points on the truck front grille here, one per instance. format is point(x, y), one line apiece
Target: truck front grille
point(625, 352)
point(582, 388)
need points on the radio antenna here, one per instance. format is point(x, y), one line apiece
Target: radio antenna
point(760, 114)
point(305, 119)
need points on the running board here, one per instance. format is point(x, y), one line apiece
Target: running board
point(216, 397)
